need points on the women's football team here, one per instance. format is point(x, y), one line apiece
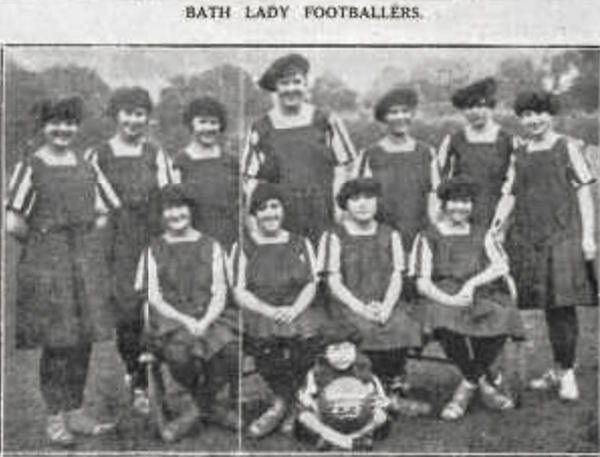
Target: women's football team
point(340, 266)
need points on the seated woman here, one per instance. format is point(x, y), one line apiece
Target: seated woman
point(364, 269)
point(461, 272)
point(275, 283)
point(184, 273)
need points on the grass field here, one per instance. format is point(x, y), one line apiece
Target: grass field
point(541, 424)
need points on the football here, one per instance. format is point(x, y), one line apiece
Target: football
point(346, 404)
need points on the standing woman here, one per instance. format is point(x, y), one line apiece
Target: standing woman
point(364, 269)
point(461, 272)
point(406, 168)
point(208, 174)
point(55, 200)
point(275, 282)
point(480, 151)
point(304, 149)
point(135, 168)
point(552, 235)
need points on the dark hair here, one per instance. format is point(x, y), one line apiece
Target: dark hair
point(128, 98)
point(536, 101)
point(205, 106)
point(457, 188)
point(175, 195)
point(350, 189)
point(339, 333)
point(400, 96)
point(64, 109)
point(283, 66)
point(481, 92)
point(262, 194)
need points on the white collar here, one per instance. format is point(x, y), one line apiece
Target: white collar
point(193, 236)
point(122, 149)
point(197, 152)
point(282, 238)
point(489, 134)
point(353, 229)
point(389, 146)
point(544, 145)
point(69, 158)
point(284, 121)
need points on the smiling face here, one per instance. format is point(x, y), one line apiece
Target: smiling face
point(132, 122)
point(177, 219)
point(206, 129)
point(399, 119)
point(342, 355)
point(536, 124)
point(458, 211)
point(478, 116)
point(362, 207)
point(269, 217)
point(291, 90)
point(59, 133)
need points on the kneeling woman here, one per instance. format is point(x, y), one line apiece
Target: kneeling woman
point(462, 272)
point(186, 285)
point(275, 284)
point(364, 267)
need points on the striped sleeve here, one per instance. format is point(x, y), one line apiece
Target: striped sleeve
point(579, 170)
point(219, 282)
point(434, 170)
point(334, 254)
point(106, 198)
point(397, 252)
point(339, 141)
point(251, 157)
point(445, 161)
point(21, 192)
point(238, 267)
point(421, 258)
point(165, 172)
point(363, 169)
point(146, 276)
point(312, 259)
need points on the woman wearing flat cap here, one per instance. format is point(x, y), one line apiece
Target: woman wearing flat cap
point(275, 281)
point(364, 267)
point(481, 150)
point(462, 274)
point(55, 201)
point(208, 174)
point(552, 235)
point(406, 168)
point(136, 169)
point(304, 149)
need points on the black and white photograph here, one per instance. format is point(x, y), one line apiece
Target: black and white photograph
point(299, 229)
point(320, 249)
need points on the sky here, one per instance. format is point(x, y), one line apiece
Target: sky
point(357, 67)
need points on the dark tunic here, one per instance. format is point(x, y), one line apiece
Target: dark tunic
point(62, 298)
point(276, 274)
point(456, 259)
point(366, 265)
point(301, 161)
point(484, 163)
point(405, 178)
point(544, 243)
point(213, 184)
point(185, 278)
point(134, 180)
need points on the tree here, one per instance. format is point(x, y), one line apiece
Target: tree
point(330, 92)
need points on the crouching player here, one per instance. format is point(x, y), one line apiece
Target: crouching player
point(342, 403)
point(195, 334)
